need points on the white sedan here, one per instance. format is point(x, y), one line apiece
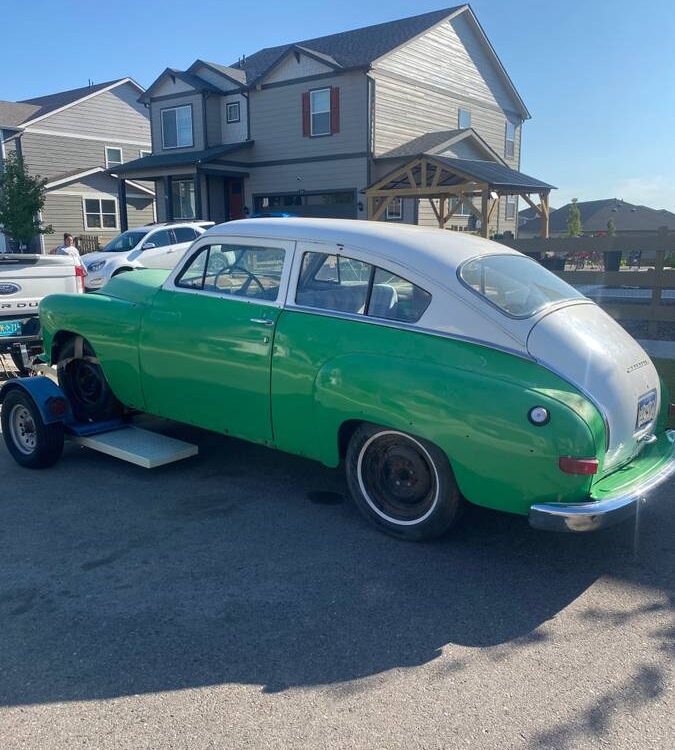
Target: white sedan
point(152, 246)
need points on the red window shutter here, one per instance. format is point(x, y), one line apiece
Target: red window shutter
point(305, 114)
point(335, 109)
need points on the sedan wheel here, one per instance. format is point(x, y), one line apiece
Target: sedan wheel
point(401, 483)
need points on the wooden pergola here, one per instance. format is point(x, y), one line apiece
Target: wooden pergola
point(443, 178)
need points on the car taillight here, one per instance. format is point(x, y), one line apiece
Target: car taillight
point(80, 273)
point(578, 465)
point(672, 410)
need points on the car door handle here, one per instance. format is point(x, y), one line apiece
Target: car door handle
point(262, 321)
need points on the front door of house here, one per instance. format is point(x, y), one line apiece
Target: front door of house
point(236, 196)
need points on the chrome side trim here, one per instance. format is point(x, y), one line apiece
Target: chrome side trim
point(590, 516)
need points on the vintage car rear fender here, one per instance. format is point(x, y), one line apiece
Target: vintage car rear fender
point(470, 400)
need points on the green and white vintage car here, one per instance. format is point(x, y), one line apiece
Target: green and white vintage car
point(438, 367)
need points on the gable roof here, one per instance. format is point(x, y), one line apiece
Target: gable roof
point(627, 217)
point(436, 142)
point(24, 112)
point(187, 76)
point(237, 77)
point(349, 49)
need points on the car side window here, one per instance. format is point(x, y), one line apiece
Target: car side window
point(395, 298)
point(239, 270)
point(332, 282)
point(184, 234)
point(161, 238)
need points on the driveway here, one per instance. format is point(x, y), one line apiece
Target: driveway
point(237, 600)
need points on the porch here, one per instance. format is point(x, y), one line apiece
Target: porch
point(189, 185)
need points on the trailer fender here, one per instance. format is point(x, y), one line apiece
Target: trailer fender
point(46, 395)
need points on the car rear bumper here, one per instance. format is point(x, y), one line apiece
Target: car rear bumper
point(616, 501)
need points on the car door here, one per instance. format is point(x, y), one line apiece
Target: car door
point(206, 342)
point(156, 248)
point(183, 238)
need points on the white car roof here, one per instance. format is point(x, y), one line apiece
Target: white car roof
point(436, 251)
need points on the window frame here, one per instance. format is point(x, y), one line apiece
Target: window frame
point(312, 134)
point(467, 112)
point(394, 217)
point(143, 152)
point(229, 120)
point(511, 200)
point(174, 182)
point(101, 213)
point(288, 246)
point(108, 165)
point(507, 140)
point(163, 111)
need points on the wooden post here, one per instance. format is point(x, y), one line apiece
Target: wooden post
point(441, 212)
point(485, 213)
point(543, 197)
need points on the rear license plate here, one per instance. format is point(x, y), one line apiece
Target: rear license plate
point(10, 327)
point(646, 411)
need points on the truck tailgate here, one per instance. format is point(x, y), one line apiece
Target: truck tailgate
point(26, 279)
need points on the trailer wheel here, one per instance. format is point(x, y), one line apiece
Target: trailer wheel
point(83, 382)
point(31, 442)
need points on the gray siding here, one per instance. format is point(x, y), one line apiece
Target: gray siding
point(53, 155)
point(276, 120)
point(214, 124)
point(233, 132)
point(196, 100)
point(290, 68)
point(65, 214)
point(114, 114)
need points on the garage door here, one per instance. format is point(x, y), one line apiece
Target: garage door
point(336, 204)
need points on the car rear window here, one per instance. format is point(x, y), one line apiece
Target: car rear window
point(515, 284)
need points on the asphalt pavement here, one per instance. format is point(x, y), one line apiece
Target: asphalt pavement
point(238, 600)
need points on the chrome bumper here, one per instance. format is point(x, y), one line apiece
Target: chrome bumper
point(591, 516)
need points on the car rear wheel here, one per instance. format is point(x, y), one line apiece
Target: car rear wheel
point(82, 380)
point(30, 441)
point(402, 484)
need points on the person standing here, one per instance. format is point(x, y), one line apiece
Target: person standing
point(68, 247)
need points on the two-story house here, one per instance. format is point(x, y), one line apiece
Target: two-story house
point(71, 139)
point(306, 128)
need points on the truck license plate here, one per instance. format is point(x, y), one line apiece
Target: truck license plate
point(10, 327)
point(646, 411)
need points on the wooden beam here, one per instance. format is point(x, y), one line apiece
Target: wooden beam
point(484, 212)
point(493, 204)
point(382, 208)
point(423, 175)
point(441, 213)
point(437, 176)
point(411, 178)
point(430, 192)
point(435, 210)
point(532, 204)
point(543, 197)
point(394, 175)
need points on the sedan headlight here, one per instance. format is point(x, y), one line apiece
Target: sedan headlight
point(96, 266)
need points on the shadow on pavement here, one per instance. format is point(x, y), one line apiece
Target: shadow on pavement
point(227, 568)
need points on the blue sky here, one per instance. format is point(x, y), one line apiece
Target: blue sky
point(598, 76)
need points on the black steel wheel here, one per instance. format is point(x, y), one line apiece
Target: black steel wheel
point(402, 483)
point(30, 441)
point(83, 382)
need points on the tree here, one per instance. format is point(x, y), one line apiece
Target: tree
point(611, 227)
point(574, 220)
point(22, 197)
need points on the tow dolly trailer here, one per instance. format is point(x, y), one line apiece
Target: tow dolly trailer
point(36, 409)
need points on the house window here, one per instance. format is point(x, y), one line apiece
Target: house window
point(510, 141)
point(143, 153)
point(232, 113)
point(100, 213)
point(463, 118)
point(464, 209)
point(511, 206)
point(320, 112)
point(394, 210)
point(183, 199)
point(113, 156)
point(177, 127)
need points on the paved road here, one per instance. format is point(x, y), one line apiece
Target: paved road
point(235, 601)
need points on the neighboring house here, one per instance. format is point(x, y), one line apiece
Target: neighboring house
point(595, 216)
point(305, 128)
point(529, 213)
point(72, 138)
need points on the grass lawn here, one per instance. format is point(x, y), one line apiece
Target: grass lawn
point(666, 368)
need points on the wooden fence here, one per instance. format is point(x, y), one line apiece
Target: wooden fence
point(631, 276)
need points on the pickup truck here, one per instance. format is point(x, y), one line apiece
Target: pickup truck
point(24, 281)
